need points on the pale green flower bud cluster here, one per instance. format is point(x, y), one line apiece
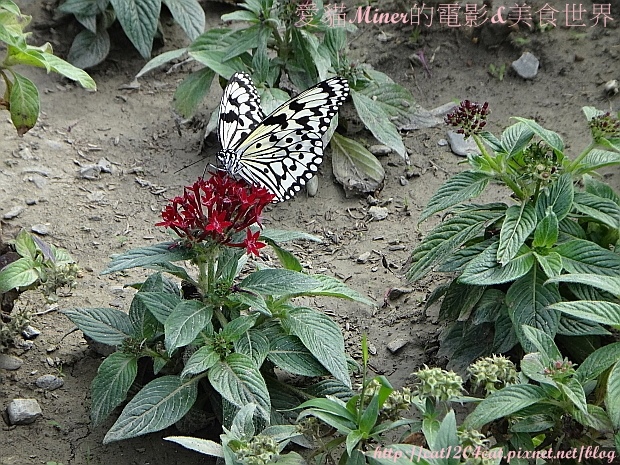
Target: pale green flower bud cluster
point(396, 402)
point(60, 276)
point(439, 384)
point(493, 373)
point(259, 450)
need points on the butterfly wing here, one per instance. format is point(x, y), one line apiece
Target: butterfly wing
point(285, 150)
point(240, 111)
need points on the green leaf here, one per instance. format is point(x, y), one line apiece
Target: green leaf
point(571, 326)
point(241, 15)
point(139, 21)
point(254, 302)
point(519, 223)
point(558, 196)
point(527, 300)
point(551, 263)
point(596, 418)
point(301, 66)
point(83, 7)
point(254, 344)
point(185, 322)
point(25, 245)
point(88, 21)
point(213, 39)
point(459, 301)
point(515, 138)
point(237, 327)
point(20, 273)
point(546, 234)
point(603, 210)
point(395, 100)
point(597, 159)
point(322, 337)
point(332, 287)
point(214, 59)
point(109, 388)
point(240, 382)
point(550, 137)
point(159, 304)
point(145, 256)
point(571, 229)
point(278, 282)
point(354, 166)
point(503, 403)
point(192, 91)
point(543, 343)
point(246, 40)
point(189, 14)
point(200, 361)
point(287, 259)
point(484, 270)
point(69, 71)
point(447, 237)
point(159, 404)
point(606, 313)
point(106, 325)
point(610, 284)
point(612, 395)
point(202, 446)
point(505, 337)
point(573, 390)
point(598, 362)
point(289, 354)
point(160, 60)
point(10, 6)
point(23, 103)
point(89, 49)
point(600, 189)
point(581, 256)
point(463, 186)
point(378, 122)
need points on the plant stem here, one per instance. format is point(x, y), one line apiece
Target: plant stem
point(575, 163)
point(500, 170)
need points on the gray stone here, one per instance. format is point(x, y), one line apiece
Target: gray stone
point(312, 186)
point(378, 213)
point(30, 332)
point(363, 258)
point(403, 181)
point(105, 165)
point(13, 212)
point(49, 382)
point(460, 146)
point(526, 66)
point(379, 150)
point(397, 344)
point(90, 172)
point(23, 411)
point(10, 362)
point(442, 142)
point(40, 228)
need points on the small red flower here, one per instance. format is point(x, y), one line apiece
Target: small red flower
point(217, 208)
point(469, 117)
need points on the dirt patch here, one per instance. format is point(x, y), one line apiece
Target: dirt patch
point(136, 131)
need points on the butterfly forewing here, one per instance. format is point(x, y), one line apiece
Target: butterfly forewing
point(285, 149)
point(240, 111)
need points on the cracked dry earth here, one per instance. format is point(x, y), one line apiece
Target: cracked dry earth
point(133, 128)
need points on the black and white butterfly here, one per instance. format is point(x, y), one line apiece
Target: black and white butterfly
point(283, 150)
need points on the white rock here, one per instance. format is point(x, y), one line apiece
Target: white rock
point(378, 213)
point(526, 66)
point(460, 146)
point(23, 411)
point(10, 362)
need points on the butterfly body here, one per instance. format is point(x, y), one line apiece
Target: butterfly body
point(283, 150)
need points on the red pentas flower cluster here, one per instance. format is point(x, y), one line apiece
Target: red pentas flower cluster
point(469, 117)
point(217, 208)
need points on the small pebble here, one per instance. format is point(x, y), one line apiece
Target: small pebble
point(30, 332)
point(397, 344)
point(403, 181)
point(13, 212)
point(23, 411)
point(105, 165)
point(50, 361)
point(394, 248)
point(363, 258)
point(442, 142)
point(49, 382)
point(10, 362)
point(312, 186)
point(41, 229)
point(378, 213)
point(380, 150)
point(31, 202)
point(25, 153)
point(526, 66)
point(611, 87)
point(24, 345)
point(90, 172)
point(396, 292)
point(460, 146)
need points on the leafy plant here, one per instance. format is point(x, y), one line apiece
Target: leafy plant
point(242, 444)
point(275, 42)
point(21, 97)
point(548, 259)
point(497, 71)
point(40, 265)
point(138, 18)
point(365, 417)
point(214, 344)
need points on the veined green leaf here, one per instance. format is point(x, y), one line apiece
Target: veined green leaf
point(203, 446)
point(519, 223)
point(109, 388)
point(596, 418)
point(213, 39)
point(558, 196)
point(610, 284)
point(603, 210)
point(573, 389)
point(546, 234)
point(192, 91)
point(89, 49)
point(378, 122)
point(598, 362)
point(543, 343)
point(145, 256)
point(200, 361)
point(503, 403)
point(245, 41)
point(238, 326)
point(597, 159)
point(214, 59)
point(106, 325)
point(485, 269)
point(550, 263)
point(571, 229)
point(289, 354)
point(240, 382)
point(550, 137)
point(287, 259)
point(160, 60)
point(572, 326)
point(185, 322)
point(159, 304)
point(20, 273)
point(139, 21)
point(606, 313)
point(24, 103)
point(83, 7)
point(159, 404)
point(581, 256)
point(254, 344)
point(332, 287)
point(69, 71)
point(278, 282)
point(254, 301)
point(189, 14)
point(354, 166)
point(600, 189)
point(464, 186)
point(528, 300)
point(515, 138)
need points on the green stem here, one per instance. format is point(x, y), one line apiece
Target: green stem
point(499, 170)
point(575, 163)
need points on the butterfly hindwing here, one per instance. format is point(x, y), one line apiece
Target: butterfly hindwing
point(282, 151)
point(240, 111)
